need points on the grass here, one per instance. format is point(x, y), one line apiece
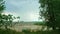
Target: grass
point(42, 32)
point(9, 31)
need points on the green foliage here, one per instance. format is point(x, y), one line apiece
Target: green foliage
point(18, 17)
point(2, 6)
point(50, 11)
point(6, 20)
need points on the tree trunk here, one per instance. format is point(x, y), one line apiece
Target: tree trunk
point(54, 28)
point(6, 27)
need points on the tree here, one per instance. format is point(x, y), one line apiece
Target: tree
point(7, 20)
point(2, 6)
point(50, 11)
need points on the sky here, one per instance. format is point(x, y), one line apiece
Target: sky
point(28, 10)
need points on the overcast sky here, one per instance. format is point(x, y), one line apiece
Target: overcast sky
point(28, 10)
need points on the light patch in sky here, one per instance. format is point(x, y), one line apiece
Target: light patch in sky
point(34, 16)
point(28, 10)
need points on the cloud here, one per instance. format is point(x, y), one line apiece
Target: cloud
point(10, 12)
